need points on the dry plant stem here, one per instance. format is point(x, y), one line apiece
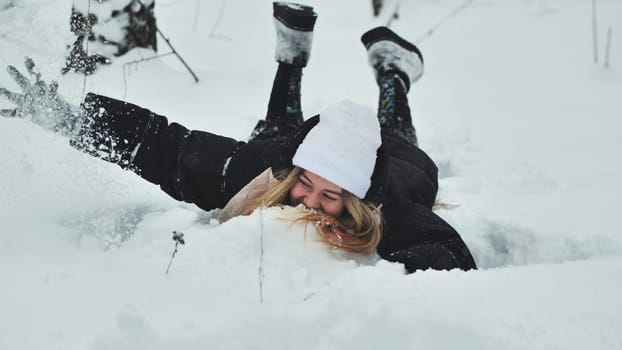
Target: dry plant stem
point(127, 65)
point(594, 31)
point(168, 42)
point(221, 12)
point(443, 20)
point(309, 296)
point(86, 50)
point(608, 46)
point(260, 272)
point(172, 256)
point(197, 11)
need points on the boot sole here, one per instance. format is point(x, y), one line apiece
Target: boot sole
point(295, 16)
point(383, 33)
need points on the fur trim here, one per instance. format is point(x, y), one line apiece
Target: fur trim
point(386, 55)
point(292, 46)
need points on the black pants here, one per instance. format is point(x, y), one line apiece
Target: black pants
point(285, 114)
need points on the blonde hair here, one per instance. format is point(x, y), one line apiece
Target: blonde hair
point(357, 230)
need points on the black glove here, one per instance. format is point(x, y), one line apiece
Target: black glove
point(40, 103)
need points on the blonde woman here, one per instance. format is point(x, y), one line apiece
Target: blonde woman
point(358, 176)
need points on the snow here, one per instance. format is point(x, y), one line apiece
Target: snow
point(522, 123)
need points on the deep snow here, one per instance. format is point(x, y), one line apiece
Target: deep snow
point(523, 125)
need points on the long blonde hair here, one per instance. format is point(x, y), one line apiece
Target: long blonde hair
point(357, 230)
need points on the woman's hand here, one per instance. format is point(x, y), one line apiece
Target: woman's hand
point(40, 102)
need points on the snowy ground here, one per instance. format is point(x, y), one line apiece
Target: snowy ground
point(523, 125)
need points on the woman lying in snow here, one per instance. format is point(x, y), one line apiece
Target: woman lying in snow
point(360, 179)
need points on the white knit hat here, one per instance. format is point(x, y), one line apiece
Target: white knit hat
point(342, 147)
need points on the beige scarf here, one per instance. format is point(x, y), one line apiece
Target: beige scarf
point(249, 193)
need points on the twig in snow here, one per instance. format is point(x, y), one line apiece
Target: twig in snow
point(608, 46)
point(442, 21)
point(197, 11)
point(127, 65)
point(260, 272)
point(309, 296)
point(212, 32)
point(178, 237)
point(89, 28)
point(594, 31)
point(168, 42)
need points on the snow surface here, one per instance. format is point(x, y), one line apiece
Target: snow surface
point(523, 125)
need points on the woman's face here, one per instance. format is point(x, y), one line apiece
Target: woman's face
point(315, 192)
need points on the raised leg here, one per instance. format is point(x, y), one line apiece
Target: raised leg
point(397, 64)
point(294, 29)
point(284, 111)
point(285, 95)
point(393, 109)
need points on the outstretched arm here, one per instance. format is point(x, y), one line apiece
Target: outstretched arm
point(192, 166)
point(188, 165)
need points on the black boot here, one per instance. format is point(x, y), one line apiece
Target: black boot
point(389, 53)
point(294, 32)
point(397, 63)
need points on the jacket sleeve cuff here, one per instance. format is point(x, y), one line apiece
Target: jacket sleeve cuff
point(113, 129)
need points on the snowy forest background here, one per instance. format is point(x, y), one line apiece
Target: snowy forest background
point(522, 121)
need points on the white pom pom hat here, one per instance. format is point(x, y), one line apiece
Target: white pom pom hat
point(342, 147)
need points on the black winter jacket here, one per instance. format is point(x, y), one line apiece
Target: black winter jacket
point(207, 170)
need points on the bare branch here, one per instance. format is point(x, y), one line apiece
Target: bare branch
point(442, 21)
point(594, 31)
point(608, 46)
point(260, 272)
point(168, 42)
point(128, 65)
